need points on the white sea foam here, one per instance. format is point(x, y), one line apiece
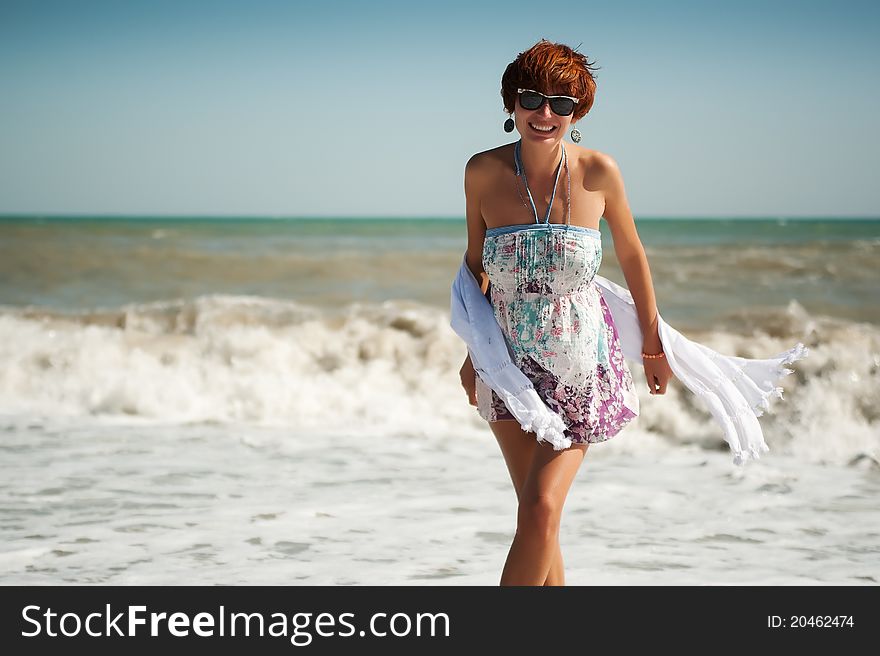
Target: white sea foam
point(236, 504)
point(388, 368)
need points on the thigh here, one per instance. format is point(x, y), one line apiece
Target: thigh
point(552, 472)
point(518, 448)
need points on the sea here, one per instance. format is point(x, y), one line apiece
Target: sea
point(269, 400)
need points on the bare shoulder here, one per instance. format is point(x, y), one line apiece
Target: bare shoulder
point(600, 168)
point(487, 162)
point(480, 173)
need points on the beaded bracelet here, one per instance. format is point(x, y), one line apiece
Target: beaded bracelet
point(654, 357)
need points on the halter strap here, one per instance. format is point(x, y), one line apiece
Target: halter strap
point(521, 171)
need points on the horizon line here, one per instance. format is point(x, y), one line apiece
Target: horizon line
point(374, 217)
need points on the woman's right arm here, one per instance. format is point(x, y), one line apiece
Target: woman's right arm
point(474, 183)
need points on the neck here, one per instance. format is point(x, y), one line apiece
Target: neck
point(540, 160)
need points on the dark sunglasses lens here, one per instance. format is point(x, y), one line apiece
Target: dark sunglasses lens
point(530, 100)
point(562, 106)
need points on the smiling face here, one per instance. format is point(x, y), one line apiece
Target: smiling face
point(554, 69)
point(533, 124)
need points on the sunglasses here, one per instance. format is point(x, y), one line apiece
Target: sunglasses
point(561, 105)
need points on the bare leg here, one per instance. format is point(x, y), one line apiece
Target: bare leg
point(556, 575)
point(518, 448)
point(535, 547)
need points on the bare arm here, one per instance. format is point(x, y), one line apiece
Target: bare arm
point(474, 181)
point(630, 252)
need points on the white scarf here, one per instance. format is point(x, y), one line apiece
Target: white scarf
point(735, 390)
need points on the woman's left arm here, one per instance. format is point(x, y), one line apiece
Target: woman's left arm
point(634, 263)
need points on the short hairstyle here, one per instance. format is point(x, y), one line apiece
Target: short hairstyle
point(546, 66)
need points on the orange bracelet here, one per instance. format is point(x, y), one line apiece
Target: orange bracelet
point(661, 354)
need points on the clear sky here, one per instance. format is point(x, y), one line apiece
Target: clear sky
point(334, 108)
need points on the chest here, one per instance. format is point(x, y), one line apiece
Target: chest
point(506, 201)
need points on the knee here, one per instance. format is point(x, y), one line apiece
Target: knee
point(539, 515)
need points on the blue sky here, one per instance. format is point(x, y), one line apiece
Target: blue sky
point(372, 109)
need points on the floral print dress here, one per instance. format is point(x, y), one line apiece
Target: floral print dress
point(558, 327)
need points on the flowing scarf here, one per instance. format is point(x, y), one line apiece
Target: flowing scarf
point(735, 390)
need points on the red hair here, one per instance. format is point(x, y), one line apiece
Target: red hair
point(548, 66)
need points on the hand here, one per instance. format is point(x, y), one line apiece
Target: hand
point(657, 373)
point(469, 380)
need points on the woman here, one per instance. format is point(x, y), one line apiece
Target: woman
point(533, 210)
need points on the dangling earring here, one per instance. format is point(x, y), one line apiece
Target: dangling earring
point(509, 125)
point(575, 135)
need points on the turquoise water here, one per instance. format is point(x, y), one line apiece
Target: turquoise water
point(705, 271)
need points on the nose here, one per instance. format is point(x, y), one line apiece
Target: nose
point(544, 110)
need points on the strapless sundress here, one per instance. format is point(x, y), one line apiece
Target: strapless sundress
point(558, 328)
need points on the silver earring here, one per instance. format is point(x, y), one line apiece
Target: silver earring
point(509, 125)
point(575, 135)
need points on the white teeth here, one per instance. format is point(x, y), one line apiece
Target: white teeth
point(543, 128)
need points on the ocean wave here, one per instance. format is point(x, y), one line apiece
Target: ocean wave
point(392, 367)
